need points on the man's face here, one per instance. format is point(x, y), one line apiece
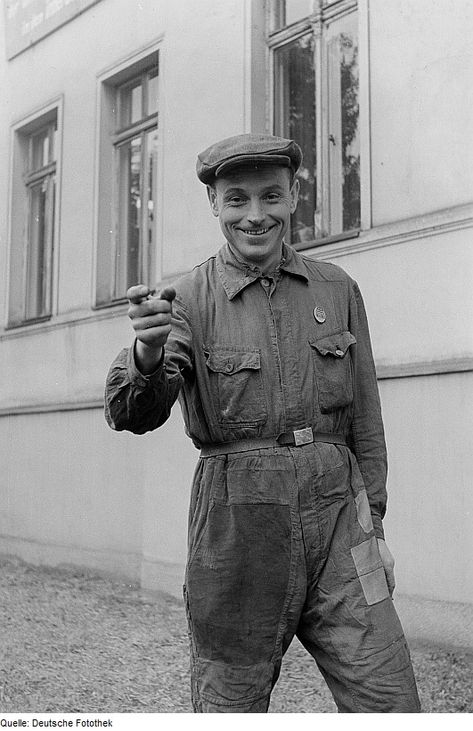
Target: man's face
point(254, 207)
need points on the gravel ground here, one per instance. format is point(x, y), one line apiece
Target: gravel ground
point(74, 641)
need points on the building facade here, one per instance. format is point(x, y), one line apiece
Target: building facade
point(105, 105)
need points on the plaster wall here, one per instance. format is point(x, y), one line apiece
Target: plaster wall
point(73, 491)
point(417, 295)
point(429, 432)
point(421, 65)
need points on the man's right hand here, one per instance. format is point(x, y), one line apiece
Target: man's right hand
point(150, 317)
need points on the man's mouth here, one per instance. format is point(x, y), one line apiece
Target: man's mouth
point(255, 231)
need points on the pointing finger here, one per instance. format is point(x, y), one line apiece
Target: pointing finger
point(138, 293)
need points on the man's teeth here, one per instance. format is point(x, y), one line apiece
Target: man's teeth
point(256, 232)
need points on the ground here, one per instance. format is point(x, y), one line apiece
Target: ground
point(75, 641)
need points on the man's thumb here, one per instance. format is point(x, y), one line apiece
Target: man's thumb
point(168, 293)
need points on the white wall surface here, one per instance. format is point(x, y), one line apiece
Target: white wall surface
point(421, 67)
point(63, 488)
point(418, 296)
point(73, 490)
point(429, 432)
point(203, 101)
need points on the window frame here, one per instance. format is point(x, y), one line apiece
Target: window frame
point(121, 137)
point(109, 138)
point(45, 174)
point(22, 181)
point(325, 14)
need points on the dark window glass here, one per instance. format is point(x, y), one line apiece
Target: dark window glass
point(295, 118)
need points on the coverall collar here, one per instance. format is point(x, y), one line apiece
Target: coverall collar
point(235, 275)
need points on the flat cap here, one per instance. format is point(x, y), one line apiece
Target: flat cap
point(249, 148)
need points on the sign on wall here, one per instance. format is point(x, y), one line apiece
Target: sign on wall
point(27, 21)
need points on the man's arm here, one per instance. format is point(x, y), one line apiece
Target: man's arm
point(367, 431)
point(144, 381)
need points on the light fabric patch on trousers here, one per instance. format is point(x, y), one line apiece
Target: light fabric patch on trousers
point(370, 571)
point(363, 511)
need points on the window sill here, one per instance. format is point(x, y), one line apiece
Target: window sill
point(110, 305)
point(28, 323)
point(301, 245)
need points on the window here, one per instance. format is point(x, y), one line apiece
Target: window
point(314, 48)
point(33, 219)
point(128, 180)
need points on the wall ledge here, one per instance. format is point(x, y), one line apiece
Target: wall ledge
point(438, 367)
point(65, 320)
point(405, 231)
point(52, 406)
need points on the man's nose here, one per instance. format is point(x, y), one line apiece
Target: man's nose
point(255, 212)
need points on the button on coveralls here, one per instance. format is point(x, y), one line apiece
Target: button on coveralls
point(282, 540)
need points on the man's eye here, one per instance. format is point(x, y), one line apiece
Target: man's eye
point(272, 197)
point(235, 200)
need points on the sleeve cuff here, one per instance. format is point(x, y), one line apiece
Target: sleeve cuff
point(135, 374)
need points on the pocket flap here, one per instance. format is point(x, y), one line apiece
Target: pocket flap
point(336, 345)
point(228, 362)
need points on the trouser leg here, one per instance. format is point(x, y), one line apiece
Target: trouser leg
point(240, 576)
point(349, 623)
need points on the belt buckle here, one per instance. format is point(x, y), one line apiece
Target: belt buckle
point(303, 436)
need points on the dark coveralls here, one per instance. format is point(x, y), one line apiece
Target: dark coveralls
point(282, 538)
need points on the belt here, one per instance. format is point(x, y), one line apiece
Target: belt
point(296, 438)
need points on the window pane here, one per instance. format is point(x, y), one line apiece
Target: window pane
point(53, 143)
point(41, 197)
point(295, 118)
point(287, 12)
point(131, 103)
point(153, 92)
point(129, 216)
point(295, 10)
point(344, 140)
point(350, 132)
point(40, 150)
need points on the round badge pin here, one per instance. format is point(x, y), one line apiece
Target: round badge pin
point(319, 314)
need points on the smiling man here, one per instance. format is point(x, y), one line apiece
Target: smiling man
point(269, 354)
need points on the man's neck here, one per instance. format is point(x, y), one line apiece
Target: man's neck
point(266, 268)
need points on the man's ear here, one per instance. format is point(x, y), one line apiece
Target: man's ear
point(212, 196)
point(294, 194)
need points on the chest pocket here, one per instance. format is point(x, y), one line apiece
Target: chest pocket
point(333, 370)
point(236, 385)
